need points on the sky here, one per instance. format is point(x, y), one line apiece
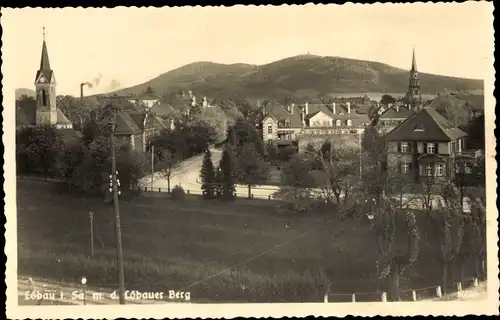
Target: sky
point(121, 47)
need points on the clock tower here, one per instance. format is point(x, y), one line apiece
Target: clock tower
point(45, 84)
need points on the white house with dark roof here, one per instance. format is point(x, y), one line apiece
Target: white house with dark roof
point(290, 122)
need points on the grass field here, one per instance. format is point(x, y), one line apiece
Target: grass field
point(181, 245)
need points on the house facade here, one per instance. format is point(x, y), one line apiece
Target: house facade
point(427, 144)
point(290, 122)
point(137, 128)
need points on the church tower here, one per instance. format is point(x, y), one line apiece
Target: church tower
point(45, 85)
point(414, 97)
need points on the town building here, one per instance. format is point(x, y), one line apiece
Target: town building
point(427, 144)
point(392, 117)
point(290, 122)
point(43, 109)
point(137, 127)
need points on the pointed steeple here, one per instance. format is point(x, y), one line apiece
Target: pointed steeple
point(44, 61)
point(414, 62)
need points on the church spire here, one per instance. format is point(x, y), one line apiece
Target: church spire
point(414, 62)
point(44, 61)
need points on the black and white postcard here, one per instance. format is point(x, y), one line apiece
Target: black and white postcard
point(250, 161)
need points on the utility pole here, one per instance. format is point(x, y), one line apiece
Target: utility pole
point(91, 216)
point(360, 155)
point(152, 165)
point(121, 276)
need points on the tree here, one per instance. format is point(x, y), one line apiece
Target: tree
point(271, 152)
point(165, 162)
point(42, 148)
point(131, 166)
point(430, 186)
point(218, 183)
point(208, 176)
point(373, 158)
point(70, 158)
point(227, 175)
point(473, 246)
point(450, 212)
point(386, 99)
point(475, 132)
point(93, 171)
point(340, 166)
point(395, 260)
point(243, 132)
point(252, 168)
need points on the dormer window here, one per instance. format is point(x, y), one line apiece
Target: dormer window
point(418, 127)
point(431, 148)
point(287, 123)
point(349, 122)
point(338, 123)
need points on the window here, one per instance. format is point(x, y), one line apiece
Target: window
point(44, 98)
point(269, 129)
point(428, 170)
point(405, 167)
point(431, 148)
point(338, 123)
point(326, 123)
point(418, 127)
point(405, 147)
point(439, 170)
point(349, 122)
point(287, 123)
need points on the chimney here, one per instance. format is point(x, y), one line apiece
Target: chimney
point(205, 102)
point(307, 109)
point(292, 107)
point(333, 108)
point(389, 105)
point(348, 107)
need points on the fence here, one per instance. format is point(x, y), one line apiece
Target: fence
point(200, 192)
point(428, 293)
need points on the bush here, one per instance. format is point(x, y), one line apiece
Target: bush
point(178, 193)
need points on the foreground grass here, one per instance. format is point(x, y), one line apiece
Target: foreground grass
point(188, 245)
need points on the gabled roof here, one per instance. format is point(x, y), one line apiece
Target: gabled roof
point(395, 113)
point(61, 118)
point(125, 124)
point(281, 114)
point(432, 125)
point(162, 108)
point(147, 96)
